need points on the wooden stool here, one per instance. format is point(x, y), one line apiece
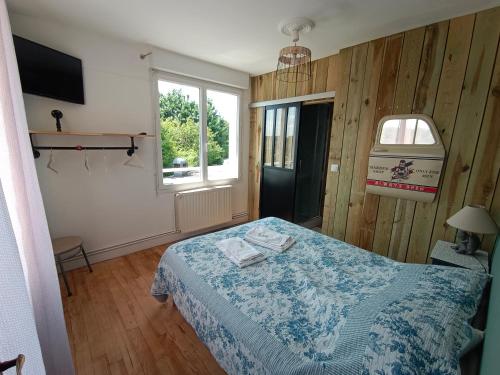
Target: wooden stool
point(65, 245)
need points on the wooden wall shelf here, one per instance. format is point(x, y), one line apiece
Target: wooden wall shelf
point(130, 149)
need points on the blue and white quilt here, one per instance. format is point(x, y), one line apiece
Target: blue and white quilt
point(322, 307)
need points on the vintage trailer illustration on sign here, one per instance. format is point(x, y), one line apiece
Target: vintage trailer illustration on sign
point(407, 158)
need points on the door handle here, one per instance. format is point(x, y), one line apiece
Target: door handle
point(17, 362)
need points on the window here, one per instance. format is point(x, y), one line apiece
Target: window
point(268, 142)
point(222, 121)
point(199, 131)
point(290, 137)
point(279, 136)
point(406, 131)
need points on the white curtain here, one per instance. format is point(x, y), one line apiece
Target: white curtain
point(26, 211)
point(17, 323)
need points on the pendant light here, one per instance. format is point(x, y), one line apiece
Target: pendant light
point(294, 61)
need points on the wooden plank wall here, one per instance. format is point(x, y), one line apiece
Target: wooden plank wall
point(450, 71)
point(325, 75)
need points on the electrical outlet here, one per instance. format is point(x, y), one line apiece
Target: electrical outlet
point(334, 168)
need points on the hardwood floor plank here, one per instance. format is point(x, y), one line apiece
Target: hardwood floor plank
point(140, 346)
point(118, 368)
point(101, 365)
point(83, 360)
point(116, 327)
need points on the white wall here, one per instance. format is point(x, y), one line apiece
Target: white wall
point(114, 205)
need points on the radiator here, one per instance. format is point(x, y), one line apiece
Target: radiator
point(202, 208)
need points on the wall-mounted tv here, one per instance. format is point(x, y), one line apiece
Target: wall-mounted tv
point(47, 72)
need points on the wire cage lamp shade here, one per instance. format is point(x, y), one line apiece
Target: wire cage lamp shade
point(294, 64)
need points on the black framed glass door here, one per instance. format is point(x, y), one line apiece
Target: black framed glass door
point(280, 135)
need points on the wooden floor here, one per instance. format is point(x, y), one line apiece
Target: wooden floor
point(116, 327)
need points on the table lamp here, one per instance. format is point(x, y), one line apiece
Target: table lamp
point(470, 221)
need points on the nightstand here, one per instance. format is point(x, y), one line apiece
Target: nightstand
point(444, 255)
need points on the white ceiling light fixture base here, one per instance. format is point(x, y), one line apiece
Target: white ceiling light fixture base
point(292, 27)
point(294, 62)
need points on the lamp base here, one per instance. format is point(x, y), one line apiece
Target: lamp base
point(467, 243)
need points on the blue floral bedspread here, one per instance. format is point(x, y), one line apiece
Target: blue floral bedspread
point(322, 307)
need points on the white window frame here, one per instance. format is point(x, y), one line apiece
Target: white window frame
point(203, 86)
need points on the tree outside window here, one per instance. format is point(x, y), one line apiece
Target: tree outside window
point(181, 133)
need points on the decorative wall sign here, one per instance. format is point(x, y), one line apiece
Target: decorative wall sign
point(409, 178)
point(407, 158)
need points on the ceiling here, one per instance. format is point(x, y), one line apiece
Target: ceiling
point(243, 34)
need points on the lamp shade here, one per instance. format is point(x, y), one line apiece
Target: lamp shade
point(473, 219)
point(294, 64)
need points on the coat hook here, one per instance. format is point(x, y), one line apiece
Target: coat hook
point(144, 55)
point(86, 163)
point(17, 362)
point(50, 164)
point(57, 114)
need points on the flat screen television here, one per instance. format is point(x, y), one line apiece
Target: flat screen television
point(47, 72)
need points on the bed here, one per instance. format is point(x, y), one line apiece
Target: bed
point(322, 307)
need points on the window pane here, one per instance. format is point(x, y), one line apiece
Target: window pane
point(406, 132)
point(279, 137)
point(180, 132)
point(268, 141)
point(290, 138)
point(398, 132)
point(389, 132)
point(222, 135)
point(424, 134)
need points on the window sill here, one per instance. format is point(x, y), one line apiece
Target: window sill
point(172, 188)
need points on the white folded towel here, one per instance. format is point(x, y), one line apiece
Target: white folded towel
point(240, 252)
point(265, 237)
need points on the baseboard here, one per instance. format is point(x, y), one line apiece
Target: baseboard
point(99, 255)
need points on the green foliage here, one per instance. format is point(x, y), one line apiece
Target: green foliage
point(179, 107)
point(167, 146)
point(219, 127)
point(215, 152)
point(183, 139)
point(180, 135)
point(180, 140)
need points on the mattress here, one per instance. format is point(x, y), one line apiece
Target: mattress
point(322, 307)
